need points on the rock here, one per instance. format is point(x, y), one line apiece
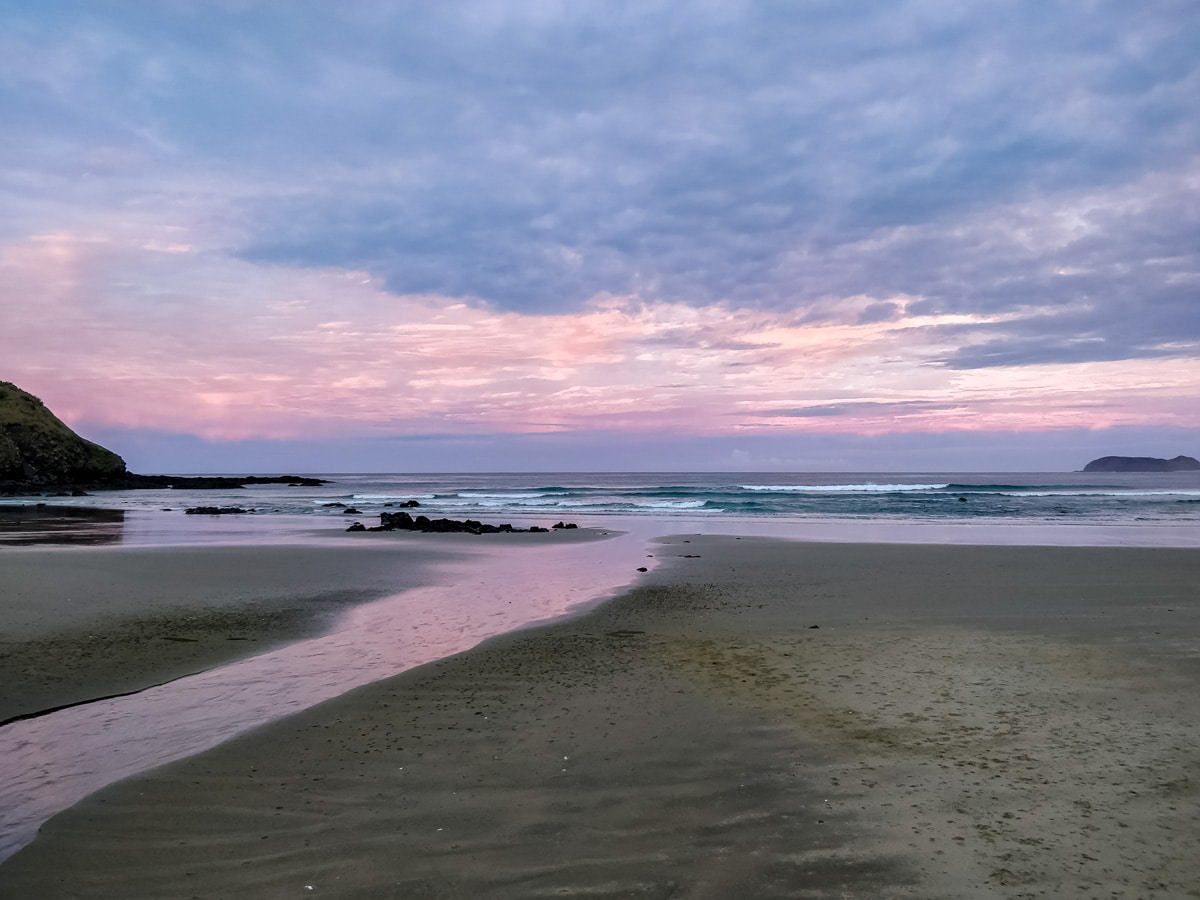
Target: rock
point(38, 452)
point(351, 511)
point(357, 526)
point(213, 482)
point(564, 525)
point(403, 521)
point(214, 511)
point(410, 504)
point(1142, 464)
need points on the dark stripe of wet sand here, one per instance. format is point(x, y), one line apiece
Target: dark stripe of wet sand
point(84, 623)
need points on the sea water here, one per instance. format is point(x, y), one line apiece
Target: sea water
point(1161, 508)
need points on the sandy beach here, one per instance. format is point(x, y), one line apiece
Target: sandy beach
point(85, 623)
point(757, 717)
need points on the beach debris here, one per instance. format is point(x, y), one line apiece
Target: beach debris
point(214, 510)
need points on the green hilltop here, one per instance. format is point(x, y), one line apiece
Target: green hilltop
point(36, 448)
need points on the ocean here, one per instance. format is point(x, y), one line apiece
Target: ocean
point(1161, 508)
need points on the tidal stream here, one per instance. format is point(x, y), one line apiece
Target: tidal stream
point(53, 761)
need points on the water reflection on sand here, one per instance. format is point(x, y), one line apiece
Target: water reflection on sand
point(37, 524)
point(53, 761)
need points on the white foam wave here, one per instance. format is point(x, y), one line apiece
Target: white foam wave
point(867, 487)
point(670, 504)
point(387, 497)
point(499, 495)
point(1099, 493)
point(535, 502)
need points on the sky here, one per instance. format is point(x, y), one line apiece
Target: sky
point(514, 235)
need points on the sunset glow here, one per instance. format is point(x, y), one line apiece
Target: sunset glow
point(596, 263)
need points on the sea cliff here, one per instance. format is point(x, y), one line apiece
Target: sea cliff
point(39, 453)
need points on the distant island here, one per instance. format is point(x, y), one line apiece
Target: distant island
point(39, 453)
point(1142, 464)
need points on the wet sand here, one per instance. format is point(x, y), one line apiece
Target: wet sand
point(81, 623)
point(960, 722)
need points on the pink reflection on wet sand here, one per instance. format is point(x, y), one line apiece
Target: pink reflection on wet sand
point(53, 761)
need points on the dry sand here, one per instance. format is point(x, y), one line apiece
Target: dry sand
point(962, 722)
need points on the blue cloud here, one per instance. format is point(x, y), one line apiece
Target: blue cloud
point(532, 156)
point(861, 408)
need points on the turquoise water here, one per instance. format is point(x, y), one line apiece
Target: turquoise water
point(1088, 498)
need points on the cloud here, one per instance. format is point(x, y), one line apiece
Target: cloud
point(866, 407)
point(155, 337)
point(492, 217)
point(533, 156)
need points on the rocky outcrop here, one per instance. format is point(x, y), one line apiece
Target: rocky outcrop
point(1142, 464)
point(214, 482)
point(38, 450)
point(402, 521)
point(39, 454)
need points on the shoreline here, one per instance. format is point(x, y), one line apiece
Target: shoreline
point(984, 721)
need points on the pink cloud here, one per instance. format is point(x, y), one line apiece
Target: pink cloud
point(152, 333)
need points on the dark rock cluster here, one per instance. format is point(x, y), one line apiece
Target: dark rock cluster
point(214, 482)
point(403, 521)
point(214, 510)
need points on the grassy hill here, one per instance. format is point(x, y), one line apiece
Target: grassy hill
point(36, 448)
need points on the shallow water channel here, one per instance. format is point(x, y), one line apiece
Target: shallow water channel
point(53, 761)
